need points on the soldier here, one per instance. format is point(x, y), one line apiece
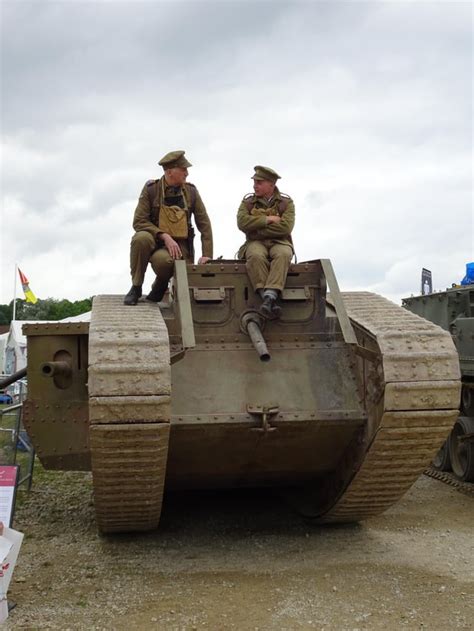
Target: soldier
point(267, 218)
point(163, 230)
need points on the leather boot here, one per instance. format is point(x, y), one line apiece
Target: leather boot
point(269, 308)
point(157, 292)
point(133, 295)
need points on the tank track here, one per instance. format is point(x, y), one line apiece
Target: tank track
point(418, 397)
point(129, 412)
point(448, 478)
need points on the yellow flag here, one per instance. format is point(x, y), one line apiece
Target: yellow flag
point(29, 295)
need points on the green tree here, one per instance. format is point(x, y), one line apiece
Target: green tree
point(5, 314)
point(48, 309)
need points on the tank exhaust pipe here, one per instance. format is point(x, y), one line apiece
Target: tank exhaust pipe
point(252, 324)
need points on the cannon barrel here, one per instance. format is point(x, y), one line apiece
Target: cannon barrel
point(6, 381)
point(251, 323)
point(258, 341)
point(54, 369)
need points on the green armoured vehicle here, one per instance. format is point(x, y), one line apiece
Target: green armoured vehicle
point(341, 403)
point(453, 310)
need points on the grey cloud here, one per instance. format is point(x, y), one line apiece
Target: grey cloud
point(365, 108)
point(73, 55)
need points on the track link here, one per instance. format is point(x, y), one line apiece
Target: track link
point(421, 388)
point(129, 411)
point(448, 478)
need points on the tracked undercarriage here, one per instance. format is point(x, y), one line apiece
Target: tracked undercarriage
point(356, 398)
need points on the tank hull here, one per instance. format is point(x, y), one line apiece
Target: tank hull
point(355, 401)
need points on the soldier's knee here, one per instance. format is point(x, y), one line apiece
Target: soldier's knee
point(283, 255)
point(143, 239)
point(255, 255)
point(165, 261)
point(161, 261)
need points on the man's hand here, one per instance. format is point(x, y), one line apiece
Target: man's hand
point(273, 219)
point(204, 259)
point(171, 245)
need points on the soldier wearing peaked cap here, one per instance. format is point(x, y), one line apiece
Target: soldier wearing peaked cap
point(163, 228)
point(267, 218)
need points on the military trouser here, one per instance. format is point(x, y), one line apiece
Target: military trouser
point(145, 249)
point(267, 264)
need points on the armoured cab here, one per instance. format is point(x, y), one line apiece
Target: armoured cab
point(204, 392)
point(250, 409)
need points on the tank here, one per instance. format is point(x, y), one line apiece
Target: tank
point(340, 404)
point(453, 310)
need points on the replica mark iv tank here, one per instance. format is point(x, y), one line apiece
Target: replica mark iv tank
point(453, 310)
point(341, 403)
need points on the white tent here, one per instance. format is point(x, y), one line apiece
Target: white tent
point(15, 347)
point(3, 343)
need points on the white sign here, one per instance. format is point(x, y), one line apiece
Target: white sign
point(8, 478)
point(10, 542)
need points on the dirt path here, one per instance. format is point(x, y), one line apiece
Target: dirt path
point(244, 561)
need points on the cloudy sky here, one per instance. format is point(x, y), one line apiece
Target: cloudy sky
point(364, 108)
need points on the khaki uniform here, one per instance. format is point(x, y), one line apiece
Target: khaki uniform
point(146, 245)
point(268, 249)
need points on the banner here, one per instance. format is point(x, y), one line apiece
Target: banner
point(426, 282)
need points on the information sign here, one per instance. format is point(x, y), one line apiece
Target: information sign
point(8, 482)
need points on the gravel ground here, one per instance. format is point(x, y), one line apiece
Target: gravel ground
point(243, 560)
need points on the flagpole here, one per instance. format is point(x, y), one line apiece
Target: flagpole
point(14, 293)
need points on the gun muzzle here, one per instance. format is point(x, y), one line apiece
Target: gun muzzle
point(55, 369)
point(252, 325)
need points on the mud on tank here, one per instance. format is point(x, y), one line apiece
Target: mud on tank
point(341, 403)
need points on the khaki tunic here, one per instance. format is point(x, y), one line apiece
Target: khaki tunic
point(268, 249)
point(146, 219)
point(146, 245)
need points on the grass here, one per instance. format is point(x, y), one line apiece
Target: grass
point(8, 423)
